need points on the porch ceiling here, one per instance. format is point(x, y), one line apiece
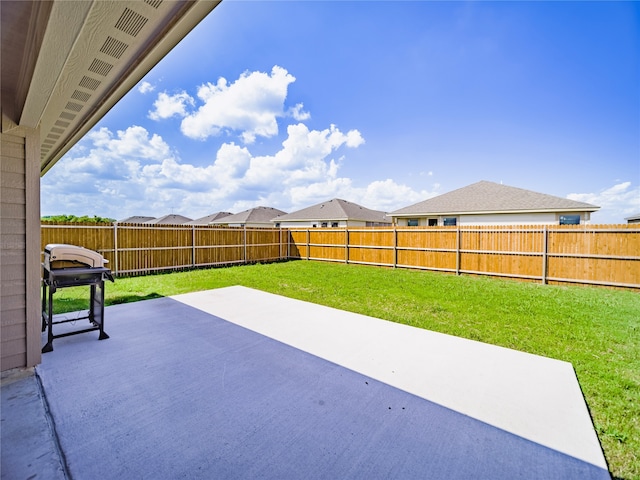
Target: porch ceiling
point(65, 64)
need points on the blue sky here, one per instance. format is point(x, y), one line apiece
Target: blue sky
point(289, 103)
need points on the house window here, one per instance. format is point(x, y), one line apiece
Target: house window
point(324, 224)
point(433, 222)
point(450, 221)
point(412, 222)
point(569, 219)
point(334, 224)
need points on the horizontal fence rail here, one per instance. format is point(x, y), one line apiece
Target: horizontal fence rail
point(605, 255)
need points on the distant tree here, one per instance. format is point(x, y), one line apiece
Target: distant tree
point(76, 219)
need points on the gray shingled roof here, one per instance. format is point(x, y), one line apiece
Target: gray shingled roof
point(136, 219)
point(489, 197)
point(336, 209)
point(171, 219)
point(209, 218)
point(253, 215)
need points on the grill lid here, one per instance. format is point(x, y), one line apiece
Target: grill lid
point(61, 252)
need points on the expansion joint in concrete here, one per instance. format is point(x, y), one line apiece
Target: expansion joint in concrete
point(52, 427)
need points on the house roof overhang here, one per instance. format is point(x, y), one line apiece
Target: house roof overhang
point(66, 64)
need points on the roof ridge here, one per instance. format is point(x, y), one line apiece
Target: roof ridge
point(336, 209)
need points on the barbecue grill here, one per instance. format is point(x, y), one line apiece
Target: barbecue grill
point(72, 266)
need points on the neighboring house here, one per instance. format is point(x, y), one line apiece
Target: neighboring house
point(171, 219)
point(64, 66)
point(136, 219)
point(254, 217)
point(333, 213)
point(209, 218)
point(489, 203)
point(633, 218)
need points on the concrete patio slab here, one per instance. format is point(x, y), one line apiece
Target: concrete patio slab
point(531, 396)
point(237, 383)
point(28, 446)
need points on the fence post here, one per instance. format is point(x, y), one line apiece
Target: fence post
point(244, 240)
point(193, 246)
point(308, 243)
point(115, 248)
point(346, 244)
point(458, 243)
point(545, 248)
point(395, 246)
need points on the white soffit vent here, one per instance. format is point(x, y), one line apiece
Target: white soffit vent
point(113, 47)
point(75, 107)
point(100, 67)
point(89, 83)
point(82, 96)
point(131, 22)
point(153, 3)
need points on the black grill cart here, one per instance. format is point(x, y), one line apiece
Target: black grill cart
point(74, 273)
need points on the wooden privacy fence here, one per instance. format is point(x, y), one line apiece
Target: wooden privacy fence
point(607, 255)
point(138, 248)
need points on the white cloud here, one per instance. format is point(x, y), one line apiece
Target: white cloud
point(385, 195)
point(298, 114)
point(307, 195)
point(231, 162)
point(134, 172)
point(134, 142)
point(354, 139)
point(167, 106)
point(145, 87)
point(101, 175)
point(303, 157)
point(616, 202)
point(250, 105)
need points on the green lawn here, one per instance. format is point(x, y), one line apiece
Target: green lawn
point(596, 329)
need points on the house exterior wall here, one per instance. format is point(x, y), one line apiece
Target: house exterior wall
point(510, 219)
point(247, 225)
point(543, 218)
point(20, 253)
point(357, 223)
point(329, 224)
point(404, 222)
point(314, 224)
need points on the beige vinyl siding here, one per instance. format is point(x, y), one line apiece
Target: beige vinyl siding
point(12, 255)
point(19, 268)
point(534, 218)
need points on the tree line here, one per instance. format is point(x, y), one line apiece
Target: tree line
point(76, 219)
